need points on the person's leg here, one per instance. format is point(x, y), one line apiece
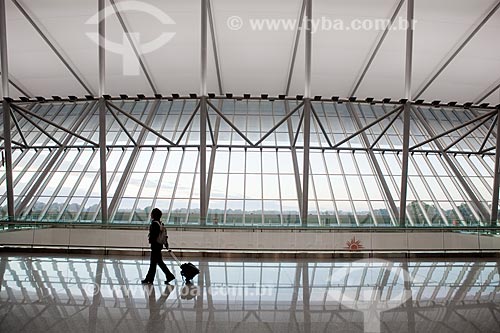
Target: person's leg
point(152, 265)
point(165, 269)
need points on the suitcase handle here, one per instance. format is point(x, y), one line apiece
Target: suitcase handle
point(173, 256)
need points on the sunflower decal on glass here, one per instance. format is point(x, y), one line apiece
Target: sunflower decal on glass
point(354, 244)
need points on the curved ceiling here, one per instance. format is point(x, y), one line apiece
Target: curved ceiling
point(50, 53)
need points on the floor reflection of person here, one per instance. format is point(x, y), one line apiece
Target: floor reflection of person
point(156, 322)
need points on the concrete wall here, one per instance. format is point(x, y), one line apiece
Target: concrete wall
point(255, 240)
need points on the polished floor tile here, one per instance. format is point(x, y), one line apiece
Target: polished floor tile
point(71, 293)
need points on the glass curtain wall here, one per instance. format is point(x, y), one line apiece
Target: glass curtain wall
point(254, 174)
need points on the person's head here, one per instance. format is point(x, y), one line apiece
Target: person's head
point(156, 214)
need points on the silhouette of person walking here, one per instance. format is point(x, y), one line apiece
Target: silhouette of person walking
point(156, 259)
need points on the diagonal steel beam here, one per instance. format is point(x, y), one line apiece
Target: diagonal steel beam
point(279, 123)
point(486, 115)
point(488, 134)
point(53, 161)
point(109, 104)
point(377, 48)
point(487, 93)
point(321, 126)
point(376, 165)
point(15, 83)
point(140, 59)
point(113, 205)
point(211, 164)
point(294, 158)
point(52, 46)
point(373, 123)
point(297, 132)
point(467, 133)
point(191, 117)
point(215, 47)
point(386, 129)
point(488, 150)
point(20, 108)
point(458, 50)
point(18, 128)
point(480, 208)
point(295, 47)
point(122, 126)
point(14, 142)
point(243, 136)
point(210, 129)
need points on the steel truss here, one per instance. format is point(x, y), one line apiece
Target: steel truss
point(484, 122)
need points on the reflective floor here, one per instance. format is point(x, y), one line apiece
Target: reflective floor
point(48, 293)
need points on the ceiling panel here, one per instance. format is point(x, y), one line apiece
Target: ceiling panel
point(32, 62)
point(385, 77)
point(256, 60)
point(339, 53)
point(441, 27)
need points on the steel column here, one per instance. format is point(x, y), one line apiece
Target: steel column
point(307, 113)
point(203, 160)
point(308, 48)
point(305, 168)
point(6, 111)
point(496, 179)
point(409, 49)
point(404, 166)
point(203, 113)
point(406, 112)
point(102, 111)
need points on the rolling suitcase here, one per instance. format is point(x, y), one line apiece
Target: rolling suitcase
point(188, 270)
